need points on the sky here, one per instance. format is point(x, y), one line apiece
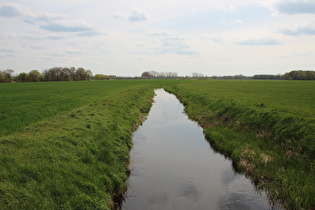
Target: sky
point(128, 37)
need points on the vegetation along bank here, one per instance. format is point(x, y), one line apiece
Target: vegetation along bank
point(65, 145)
point(76, 158)
point(266, 127)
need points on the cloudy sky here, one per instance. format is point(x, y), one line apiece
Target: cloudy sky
point(128, 37)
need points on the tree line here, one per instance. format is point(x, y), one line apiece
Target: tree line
point(300, 75)
point(103, 77)
point(6, 75)
point(159, 75)
point(79, 74)
point(52, 74)
point(292, 75)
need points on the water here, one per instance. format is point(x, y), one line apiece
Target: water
point(174, 167)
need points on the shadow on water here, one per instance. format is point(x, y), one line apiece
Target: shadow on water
point(173, 166)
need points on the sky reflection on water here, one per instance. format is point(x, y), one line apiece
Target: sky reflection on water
point(174, 167)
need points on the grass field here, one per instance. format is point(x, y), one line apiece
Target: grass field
point(71, 150)
point(65, 145)
point(266, 127)
point(291, 97)
point(25, 103)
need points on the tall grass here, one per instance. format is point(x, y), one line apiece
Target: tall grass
point(266, 127)
point(65, 145)
point(76, 160)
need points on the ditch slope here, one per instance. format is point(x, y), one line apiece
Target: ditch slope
point(275, 149)
point(74, 160)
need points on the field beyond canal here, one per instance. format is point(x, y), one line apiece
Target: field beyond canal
point(65, 145)
point(266, 127)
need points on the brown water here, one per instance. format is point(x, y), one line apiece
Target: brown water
point(174, 167)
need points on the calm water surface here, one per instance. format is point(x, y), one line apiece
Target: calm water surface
point(174, 167)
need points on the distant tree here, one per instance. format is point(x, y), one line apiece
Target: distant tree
point(111, 76)
point(9, 76)
point(147, 75)
point(82, 74)
point(197, 75)
point(266, 76)
point(22, 77)
point(155, 74)
point(6, 75)
point(53, 74)
point(101, 77)
point(89, 74)
point(310, 75)
point(240, 76)
point(300, 75)
point(34, 76)
point(48, 76)
point(170, 74)
point(2, 76)
point(72, 73)
point(66, 74)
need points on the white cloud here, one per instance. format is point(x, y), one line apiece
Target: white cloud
point(238, 21)
point(13, 10)
point(118, 15)
point(262, 41)
point(229, 8)
point(72, 52)
point(8, 36)
point(168, 35)
point(92, 32)
point(56, 37)
point(138, 15)
point(42, 17)
point(299, 55)
point(218, 40)
point(300, 30)
point(177, 27)
point(66, 26)
point(48, 21)
point(45, 37)
point(81, 27)
point(45, 16)
point(37, 48)
point(296, 7)
point(5, 50)
point(172, 43)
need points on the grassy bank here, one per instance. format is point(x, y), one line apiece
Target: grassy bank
point(24, 103)
point(73, 158)
point(266, 127)
point(65, 145)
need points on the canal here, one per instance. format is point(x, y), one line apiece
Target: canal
point(174, 167)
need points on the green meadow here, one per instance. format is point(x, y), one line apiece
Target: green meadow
point(25, 103)
point(266, 127)
point(65, 145)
